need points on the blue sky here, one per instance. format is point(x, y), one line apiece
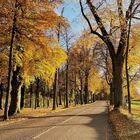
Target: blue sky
point(73, 14)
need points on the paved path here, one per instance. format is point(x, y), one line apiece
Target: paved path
point(87, 122)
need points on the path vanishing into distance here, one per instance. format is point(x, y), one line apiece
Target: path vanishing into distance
point(87, 122)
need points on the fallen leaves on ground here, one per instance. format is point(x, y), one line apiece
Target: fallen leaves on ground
point(124, 127)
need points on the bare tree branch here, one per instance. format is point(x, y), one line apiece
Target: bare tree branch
point(105, 35)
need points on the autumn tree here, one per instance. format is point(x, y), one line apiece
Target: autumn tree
point(28, 28)
point(117, 55)
point(83, 63)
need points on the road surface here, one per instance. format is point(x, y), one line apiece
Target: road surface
point(87, 122)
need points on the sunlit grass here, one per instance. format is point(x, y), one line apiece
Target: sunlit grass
point(135, 103)
point(136, 110)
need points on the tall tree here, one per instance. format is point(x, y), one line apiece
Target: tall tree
point(117, 56)
point(10, 59)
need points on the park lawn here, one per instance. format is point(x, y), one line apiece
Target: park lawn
point(136, 110)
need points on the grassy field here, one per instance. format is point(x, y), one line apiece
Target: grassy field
point(136, 110)
point(136, 103)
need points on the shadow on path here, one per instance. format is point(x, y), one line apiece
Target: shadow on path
point(97, 120)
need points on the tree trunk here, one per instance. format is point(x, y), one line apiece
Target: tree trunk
point(93, 97)
point(60, 98)
point(86, 88)
point(31, 94)
point(118, 82)
point(10, 64)
point(16, 92)
point(126, 66)
point(37, 94)
point(23, 90)
point(111, 94)
point(1, 95)
point(44, 95)
point(67, 84)
point(55, 90)
point(48, 97)
point(81, 91)
point(75, 88)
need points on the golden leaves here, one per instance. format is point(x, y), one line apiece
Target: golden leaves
point(36, 22)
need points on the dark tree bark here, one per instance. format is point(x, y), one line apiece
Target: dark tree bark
point(55, 90)
point(81, 91)
point(93, 97)
point(67, 86)
point(16, 83)
point(67, 74)
point(23, 90)
point(81, 96)
point(126, 65)
point(44, 95)
point(48, 97)
point(31, 94)
point(59, 92)
point(111, 94)
point(60, 98)
point(75, 88)
point(86, 87)
point(37, 94)
point(118, 83)
point(1, 95)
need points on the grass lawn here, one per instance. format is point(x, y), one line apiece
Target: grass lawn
point(136, 110)
point(136, 103)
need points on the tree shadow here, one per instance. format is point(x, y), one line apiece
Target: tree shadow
point(97, 121)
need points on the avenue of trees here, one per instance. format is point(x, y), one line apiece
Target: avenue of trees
point(42, 64)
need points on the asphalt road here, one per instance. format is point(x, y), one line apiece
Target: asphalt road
point(87, 122)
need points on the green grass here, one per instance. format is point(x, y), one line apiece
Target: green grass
point(136, 109)
point(135, 104)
